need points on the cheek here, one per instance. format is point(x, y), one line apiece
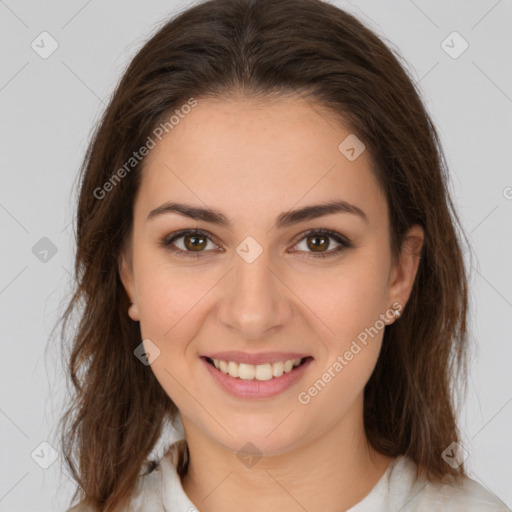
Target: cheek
point(347, 299)
point(350, 308)
point(171, 303)
point(169, 297)
point(349, 302)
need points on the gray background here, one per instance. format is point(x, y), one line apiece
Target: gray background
point(48, 108)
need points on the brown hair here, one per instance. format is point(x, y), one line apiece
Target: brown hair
point(261, 48)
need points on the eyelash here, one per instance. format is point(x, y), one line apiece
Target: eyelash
point(344, 242)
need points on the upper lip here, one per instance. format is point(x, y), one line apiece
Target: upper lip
point(259, 358)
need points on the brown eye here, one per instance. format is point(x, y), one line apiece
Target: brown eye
point(194, 242)
point(188, 243)
point(318, 243)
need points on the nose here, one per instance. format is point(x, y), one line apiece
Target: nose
point(255, 299)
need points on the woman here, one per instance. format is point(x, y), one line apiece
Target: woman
point(267, 257)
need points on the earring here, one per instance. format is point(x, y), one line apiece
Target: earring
point(396, 313)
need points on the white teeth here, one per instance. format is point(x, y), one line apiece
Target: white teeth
point(246, 371)
point(260, 372)
point(288, 365)
point(233, 369)
point(263, 372)
point(277, 369)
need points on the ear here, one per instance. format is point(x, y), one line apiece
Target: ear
point(125, 265)
point(405, 269)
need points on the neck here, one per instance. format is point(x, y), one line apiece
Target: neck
point(329, 473)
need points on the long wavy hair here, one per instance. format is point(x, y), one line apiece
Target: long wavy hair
point(260, 48)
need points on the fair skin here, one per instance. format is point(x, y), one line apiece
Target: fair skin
point(252, 161)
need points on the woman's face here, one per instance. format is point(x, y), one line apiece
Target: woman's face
point(254, 286)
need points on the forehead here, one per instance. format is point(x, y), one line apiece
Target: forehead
point(266, 156)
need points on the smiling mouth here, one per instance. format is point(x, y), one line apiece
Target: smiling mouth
point(260, 372)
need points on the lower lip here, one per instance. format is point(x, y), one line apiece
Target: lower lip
point(252, 389)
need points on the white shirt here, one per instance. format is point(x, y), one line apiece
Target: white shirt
point(161, 491)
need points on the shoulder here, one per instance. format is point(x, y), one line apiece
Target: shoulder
point(468, 496)
point(147, 495)
point(464, 495)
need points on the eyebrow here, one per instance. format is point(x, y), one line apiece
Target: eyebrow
point(285, 219)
